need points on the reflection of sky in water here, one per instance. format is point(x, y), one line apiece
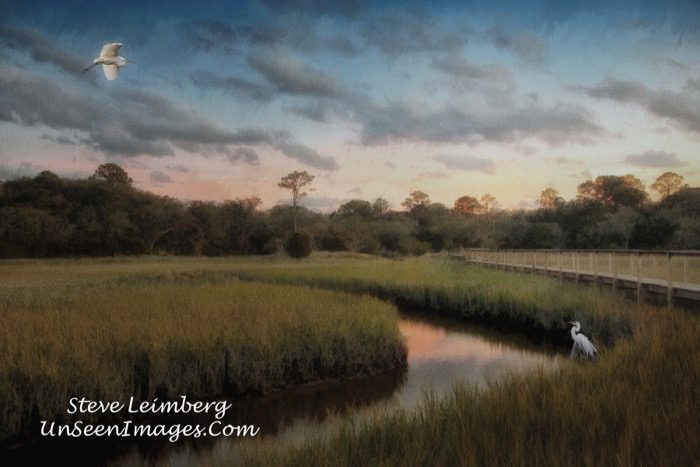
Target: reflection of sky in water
point(440, 354)
point(439, 357)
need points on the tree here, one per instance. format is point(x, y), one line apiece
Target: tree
point(669, 184)
point(550, 199)
point(380, 206)
point(488, 203)
point(295, 181)
point(417, 198)
point(112, 174)
point(614, 191)
point(467, 205)
point(355, 207)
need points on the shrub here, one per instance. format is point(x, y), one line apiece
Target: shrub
point(298, 245)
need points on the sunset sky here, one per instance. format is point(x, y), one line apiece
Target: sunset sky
point(373, 98)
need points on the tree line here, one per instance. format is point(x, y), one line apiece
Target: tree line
point(50, 216)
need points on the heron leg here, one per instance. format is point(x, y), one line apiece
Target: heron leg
point(573, 350)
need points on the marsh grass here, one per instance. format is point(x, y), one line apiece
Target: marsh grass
point(529, 304)
point(108, 340)
point(639, 405)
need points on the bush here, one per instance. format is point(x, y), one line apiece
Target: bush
point(298, 245)
point(333, 239)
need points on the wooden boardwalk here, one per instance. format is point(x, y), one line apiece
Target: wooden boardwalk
point(644, 287)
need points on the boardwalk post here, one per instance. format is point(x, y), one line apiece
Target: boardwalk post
point(595, 269)
point(610, 263)
point(685, 269)
point(559, 264)
point(639, 278)
point(546, 269)
point(631, 263)
point(669, 286)
point(653, 266)
point(614, 275)
point(575, 259)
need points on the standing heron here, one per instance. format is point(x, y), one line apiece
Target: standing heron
point(582, 346)
point(110, 60)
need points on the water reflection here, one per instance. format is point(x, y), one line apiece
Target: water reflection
point(440, 354)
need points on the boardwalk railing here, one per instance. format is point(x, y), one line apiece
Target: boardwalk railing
point(671, 273)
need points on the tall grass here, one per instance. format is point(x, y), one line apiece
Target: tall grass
point(108, 340)
point(530, 304)
point(638, 405)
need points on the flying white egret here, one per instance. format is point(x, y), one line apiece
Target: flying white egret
point(110, 61)
point(581, 343)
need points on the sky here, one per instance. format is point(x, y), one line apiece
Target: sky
point(375, 99)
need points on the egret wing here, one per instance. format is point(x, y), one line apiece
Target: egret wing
point(110, 50)
point(111, 71)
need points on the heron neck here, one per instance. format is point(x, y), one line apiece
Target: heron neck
point(573, 332)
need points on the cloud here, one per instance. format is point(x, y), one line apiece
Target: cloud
point(321, 203)
point(178, 168)
point(470, 73)
point(296, 33)
point(317, 111)
point(158, 177)
point(291, 76)
point(681, 108)
point(242, 153)
point(654, 159)
point(60, 140)
point(556, 124)
point(470, 163)
point(431, 175)
point(345, 8)
point(527, 46)
point(43, 50)
point(306, 155)
point(133, 123)
point(209, 36)
point(233, 85)
point(399, 32)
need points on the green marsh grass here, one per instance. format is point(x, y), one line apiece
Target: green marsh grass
point(529, 304)
point(108, 339)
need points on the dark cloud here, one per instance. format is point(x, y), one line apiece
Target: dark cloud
point(692, 85)
point(681, 108)
point(158, 177)
point(527, 46)
point(654, 159)
point(493, 81)
point(345, 8)
point(343, 46)
point(306, 155)
point(178, 168)
point(557, 124)
point(245, 154)
point(470, 163)
point(399, 32)
point(296, 33)
point(132, 122)
point(43, 50)
point(209, 36)
point(233, 85)
point(291, 76)
point(316, 111)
